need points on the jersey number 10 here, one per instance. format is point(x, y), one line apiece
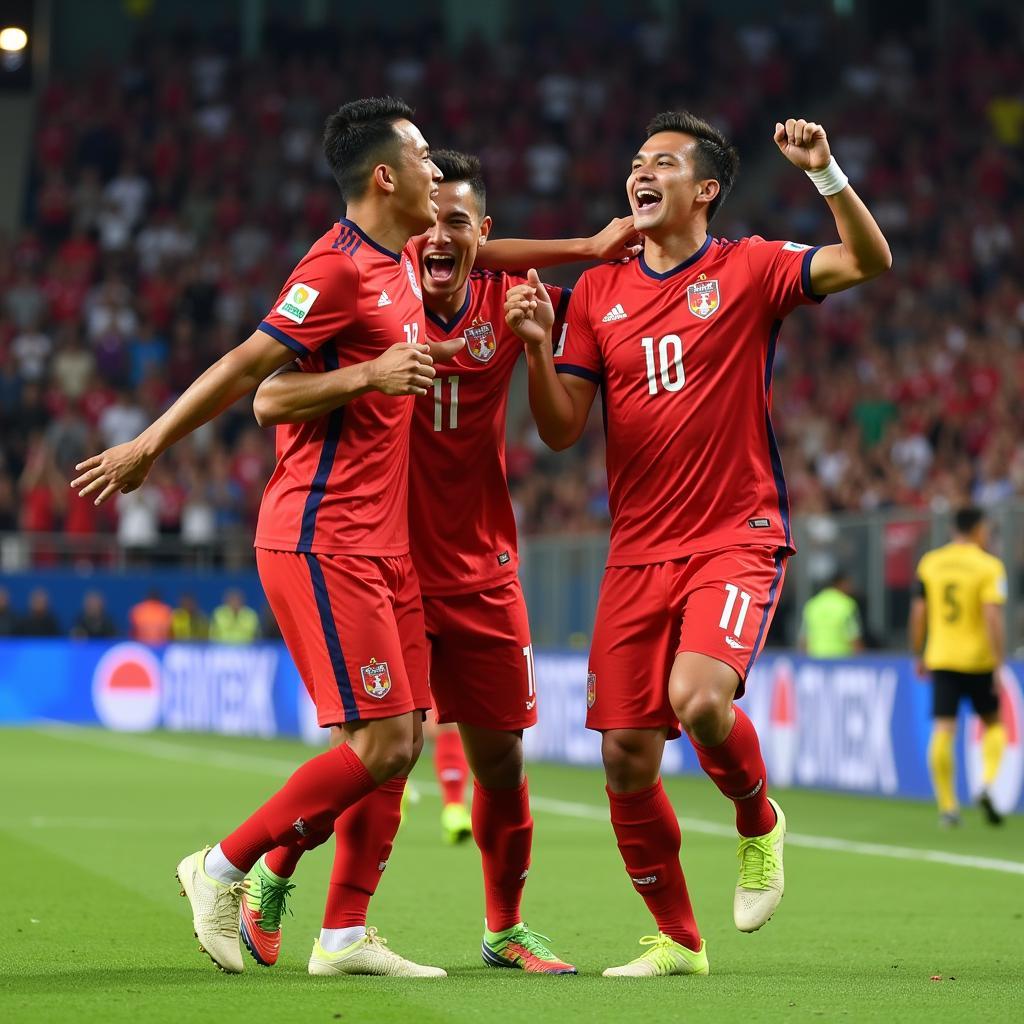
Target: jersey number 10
point(670, 359)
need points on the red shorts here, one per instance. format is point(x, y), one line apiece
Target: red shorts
point(481, 660)
point(718, 603)
point(354, 627)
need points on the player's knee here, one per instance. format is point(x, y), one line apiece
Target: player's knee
point(704, 715)
point(629, 764)
point(386, 747)
point(500, 768)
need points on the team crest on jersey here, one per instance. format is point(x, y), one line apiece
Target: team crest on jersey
point(591, 688)
point(416, 290)
point(703, 298)
point(480, 341)
point(376, 678)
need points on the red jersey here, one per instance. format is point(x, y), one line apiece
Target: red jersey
point(341, 482)
point(460, 513)
point(684, 360)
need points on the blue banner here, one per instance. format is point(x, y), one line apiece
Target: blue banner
point(859, 725)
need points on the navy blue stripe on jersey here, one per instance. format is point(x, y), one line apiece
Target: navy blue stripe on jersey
point(563, 303)
point(450, 325)
point(331, 638)
point(688, 262)
point(773, 444)
point(286, 339)
point(347, 241)
point(805, 275)
point(780, 564)
point(324, 466)
point(578, 371)
point(396, 256)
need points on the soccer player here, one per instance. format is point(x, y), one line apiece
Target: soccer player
point(958, 634)
point(464, 547)
point(681, 342)
point(332, 538)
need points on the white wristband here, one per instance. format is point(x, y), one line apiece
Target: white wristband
point(829, 180)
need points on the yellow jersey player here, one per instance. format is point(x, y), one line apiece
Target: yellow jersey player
point(957, 631)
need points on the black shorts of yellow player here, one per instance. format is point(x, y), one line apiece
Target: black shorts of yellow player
point(949, 688)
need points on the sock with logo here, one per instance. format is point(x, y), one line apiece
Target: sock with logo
point(315, 794)
point(451, 767)
point(503, 829)
point(993, 743)
point(648, 835)
point(942, 766)
point(283, 860)
point(736, 767)
point(364, 836)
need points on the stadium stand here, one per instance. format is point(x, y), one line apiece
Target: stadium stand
point(170, 196)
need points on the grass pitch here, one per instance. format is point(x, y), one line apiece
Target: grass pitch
point(93, 824)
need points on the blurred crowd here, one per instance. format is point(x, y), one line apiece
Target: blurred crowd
point(171, 195)
point(150, 621)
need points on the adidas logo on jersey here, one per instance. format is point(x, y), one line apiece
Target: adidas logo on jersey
point(383, 300)
point(615, 313)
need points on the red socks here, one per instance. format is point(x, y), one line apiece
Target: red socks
point(317, 792)
point(451, 767)
point(647, 831)
point(737, 768)
point(503, 829)
point(283, 860)
point(364, 835)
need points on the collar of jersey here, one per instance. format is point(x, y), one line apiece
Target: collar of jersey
point(688, 262)
point(450, 325)
point(396, 256)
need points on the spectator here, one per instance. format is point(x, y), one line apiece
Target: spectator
point(93, 622)
point(188, 621)
point(234, 622)
point(831, 621)
point(151, 620)
point(39, 620)
point(8, 620)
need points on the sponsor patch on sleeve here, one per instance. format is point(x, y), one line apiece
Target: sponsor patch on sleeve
point(795, 247)
point(298, 302)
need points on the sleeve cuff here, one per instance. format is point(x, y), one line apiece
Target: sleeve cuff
point(579, 371)
point(286, 339)
point(805, 275)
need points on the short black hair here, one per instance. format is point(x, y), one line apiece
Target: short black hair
point(714, 156)
point(967, 518)
point(456, 166)
point(358, 136)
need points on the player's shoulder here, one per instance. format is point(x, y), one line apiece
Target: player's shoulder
point(335, 251)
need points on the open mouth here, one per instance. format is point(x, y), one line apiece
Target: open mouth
point(439, 266)
point(647, 199)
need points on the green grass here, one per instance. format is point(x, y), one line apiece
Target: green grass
point(94, 823)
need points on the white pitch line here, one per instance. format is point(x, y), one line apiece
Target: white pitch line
point(180, 752)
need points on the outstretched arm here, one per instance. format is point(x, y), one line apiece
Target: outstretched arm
point(560, 405)
point(862, 252)
point(616, 240)
point(125, 466)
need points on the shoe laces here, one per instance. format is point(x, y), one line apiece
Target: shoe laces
point(532, 941)
point(758, 861)
point(660, 953)
point(273, 900)
point(226, 907)
point(377, 941)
